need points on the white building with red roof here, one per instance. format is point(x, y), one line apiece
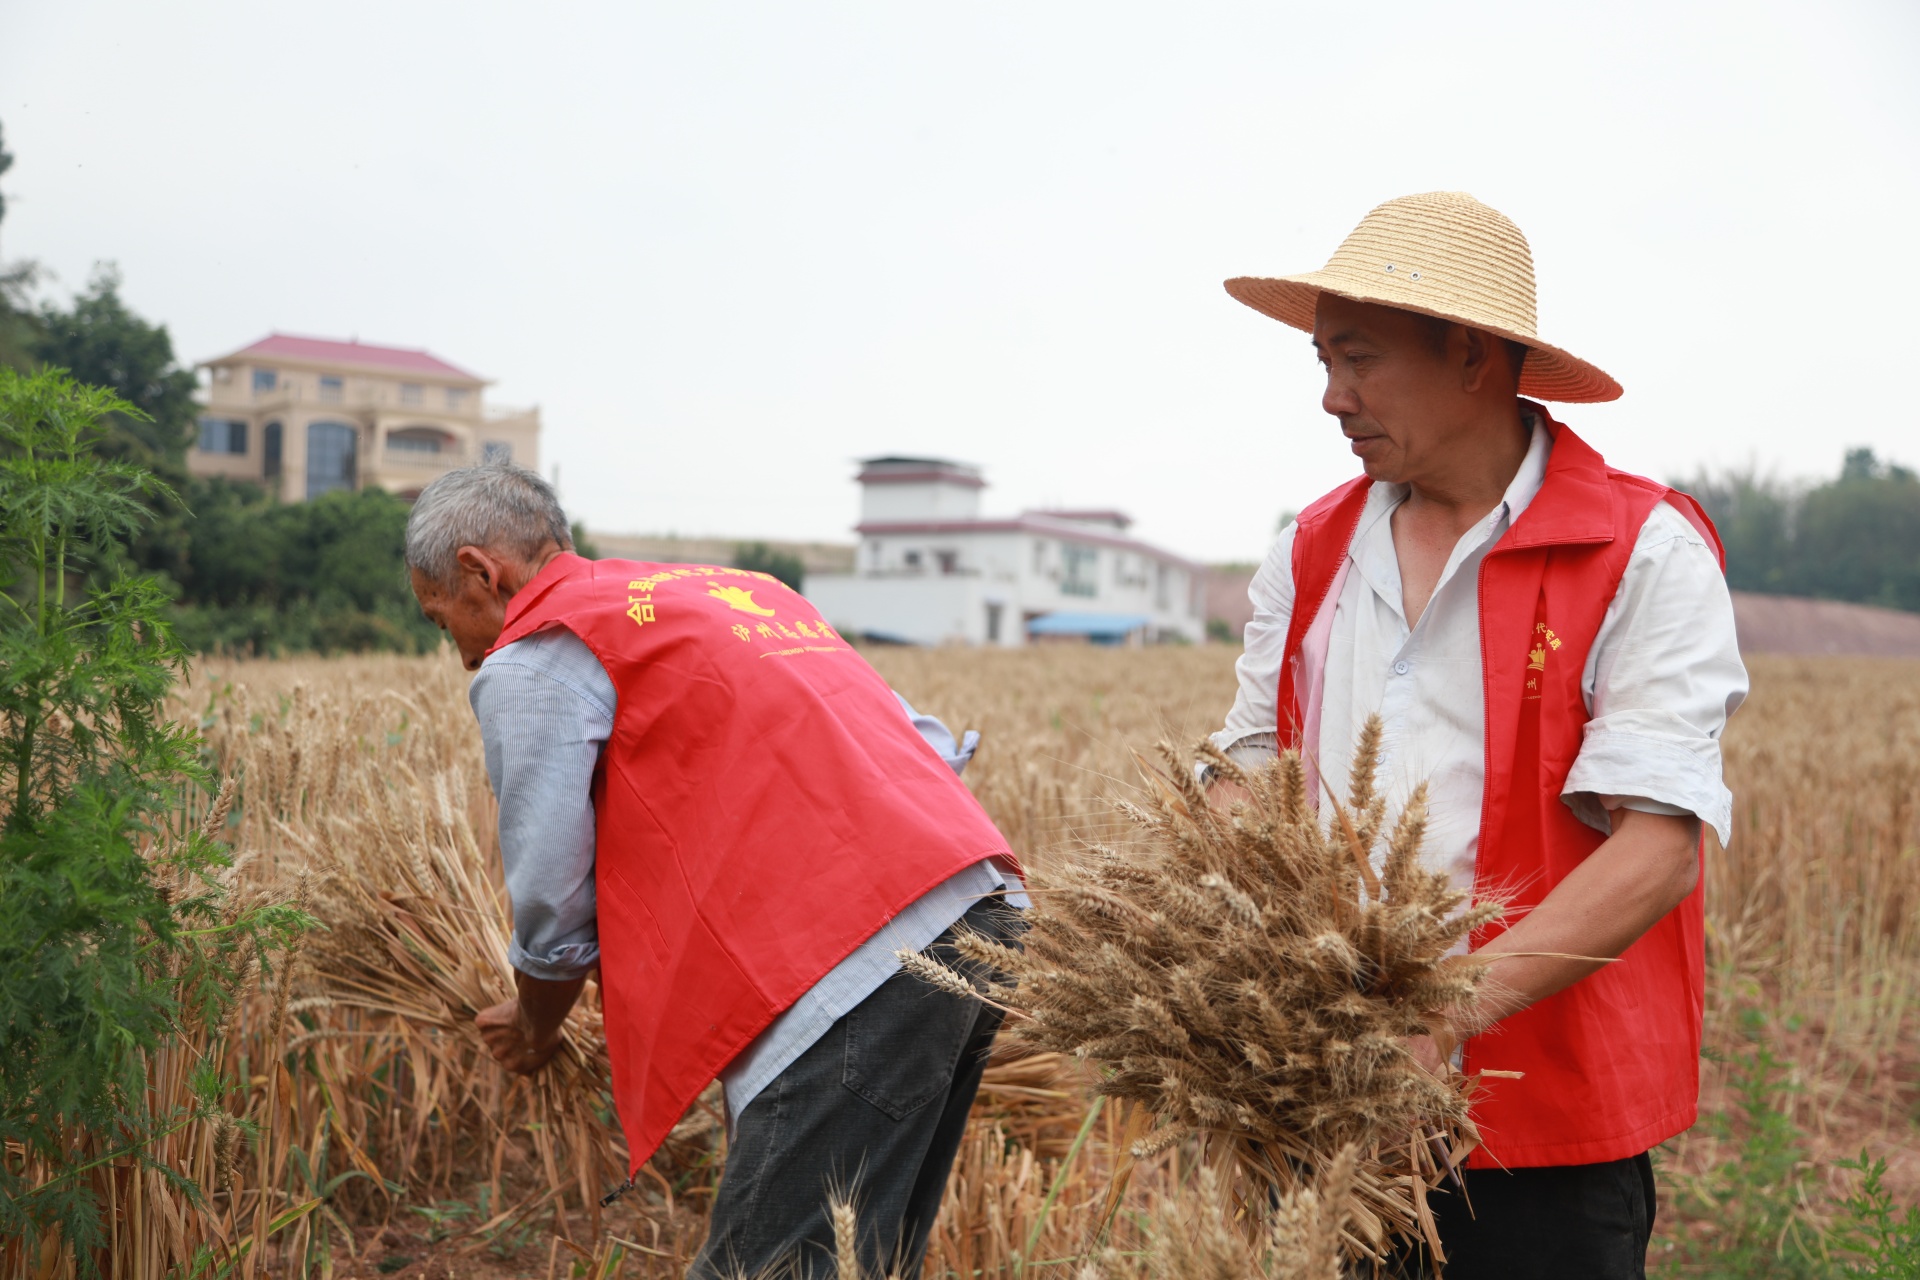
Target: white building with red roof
point(931, 569)
point(305, 416)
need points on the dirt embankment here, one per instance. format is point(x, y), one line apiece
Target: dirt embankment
point(1767, 624)
point(1792, 625)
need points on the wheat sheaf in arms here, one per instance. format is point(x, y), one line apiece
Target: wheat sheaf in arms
point(1251, 978)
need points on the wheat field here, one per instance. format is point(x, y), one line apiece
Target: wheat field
point(374, 1138)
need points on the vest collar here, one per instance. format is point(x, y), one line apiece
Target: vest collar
point(561, 568)
point(1574, 503)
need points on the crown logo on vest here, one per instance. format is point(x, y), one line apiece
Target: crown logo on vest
point(1544, 641)
point(739, 598)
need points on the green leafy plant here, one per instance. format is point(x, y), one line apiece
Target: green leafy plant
point(443, 1217)
point(115, 935)
point(1886, 1245)
point(1761, 1197)
point(1770, 1220)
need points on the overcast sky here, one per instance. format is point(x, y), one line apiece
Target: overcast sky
point(729, 248)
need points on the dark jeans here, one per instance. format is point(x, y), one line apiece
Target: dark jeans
point(873, 1113)
point(1562, 1222)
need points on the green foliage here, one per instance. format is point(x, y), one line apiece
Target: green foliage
point(1859, 537)
point(263, 576)
point(761, 558)
point(318, 1185)
point(99, 341)
point(1761, 1197)
point(6, 163)
point(1856, 537)
point(112, 929)
point(583, 545)
point(1887, 1244)
point(1765, 1204)
point(102, 663)
point(16, 322)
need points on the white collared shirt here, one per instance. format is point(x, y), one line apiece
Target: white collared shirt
point(1661, 679)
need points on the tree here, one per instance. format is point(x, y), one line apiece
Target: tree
point(99, 341)
point(1754, 515)
point(6, 163)
point(1856, 537)
point(16, 321)
point(761, 558)
point(327, 575)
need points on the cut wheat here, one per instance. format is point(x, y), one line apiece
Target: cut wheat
point(1249, 977)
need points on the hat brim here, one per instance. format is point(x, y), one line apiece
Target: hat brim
point(1548, 374)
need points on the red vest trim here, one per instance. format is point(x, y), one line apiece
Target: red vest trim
point(762, 808)
point(1612, 1063)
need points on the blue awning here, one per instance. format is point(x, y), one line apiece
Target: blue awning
point(1094, 626)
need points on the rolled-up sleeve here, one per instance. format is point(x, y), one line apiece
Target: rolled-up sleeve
point(546, 708)
point(1250, 734)
point(1662, 678)
point(958, 754)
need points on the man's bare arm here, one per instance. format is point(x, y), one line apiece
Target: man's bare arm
point(1644, 870)
point(523, 1034)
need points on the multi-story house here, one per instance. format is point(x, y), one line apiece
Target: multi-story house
point(930, 569)
point(304, 416)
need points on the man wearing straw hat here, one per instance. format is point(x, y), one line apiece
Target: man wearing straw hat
point(1550, 644)
point(707, 795)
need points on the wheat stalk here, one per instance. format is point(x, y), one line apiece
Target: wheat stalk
point(1247, 976)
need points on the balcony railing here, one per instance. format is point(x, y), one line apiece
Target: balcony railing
point(424, 459)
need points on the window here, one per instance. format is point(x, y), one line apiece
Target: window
point(427, 440)
point(1083, 568)
point(949, 561)
point(1039, 557)
point(912, 560)
point(333, 456)
point(496, 451)
point(331, 388)
point(1160, 586)
point(271, 444)
point(264, 381)
point(412, 393)
point(223, 435)
point(994, 610)
point(456, 398)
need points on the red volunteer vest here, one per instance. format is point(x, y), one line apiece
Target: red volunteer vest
point(1612, 1063)
point(763, 807)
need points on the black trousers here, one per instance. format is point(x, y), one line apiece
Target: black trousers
point(1562, 1222)
point(873, 1112)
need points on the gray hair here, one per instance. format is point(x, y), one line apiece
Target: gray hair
point(495, 505)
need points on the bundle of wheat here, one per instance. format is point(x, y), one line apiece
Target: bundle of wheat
point(416, 934)
point(1249, 976)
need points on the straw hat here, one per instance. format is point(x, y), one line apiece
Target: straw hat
point(1442, 254)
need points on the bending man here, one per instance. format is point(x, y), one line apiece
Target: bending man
point(708, 794)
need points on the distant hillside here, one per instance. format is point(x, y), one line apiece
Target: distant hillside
point(818, 557)
point(1794, 625)
point(1766, 623)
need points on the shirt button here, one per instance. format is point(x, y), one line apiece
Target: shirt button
point(1400, 667)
